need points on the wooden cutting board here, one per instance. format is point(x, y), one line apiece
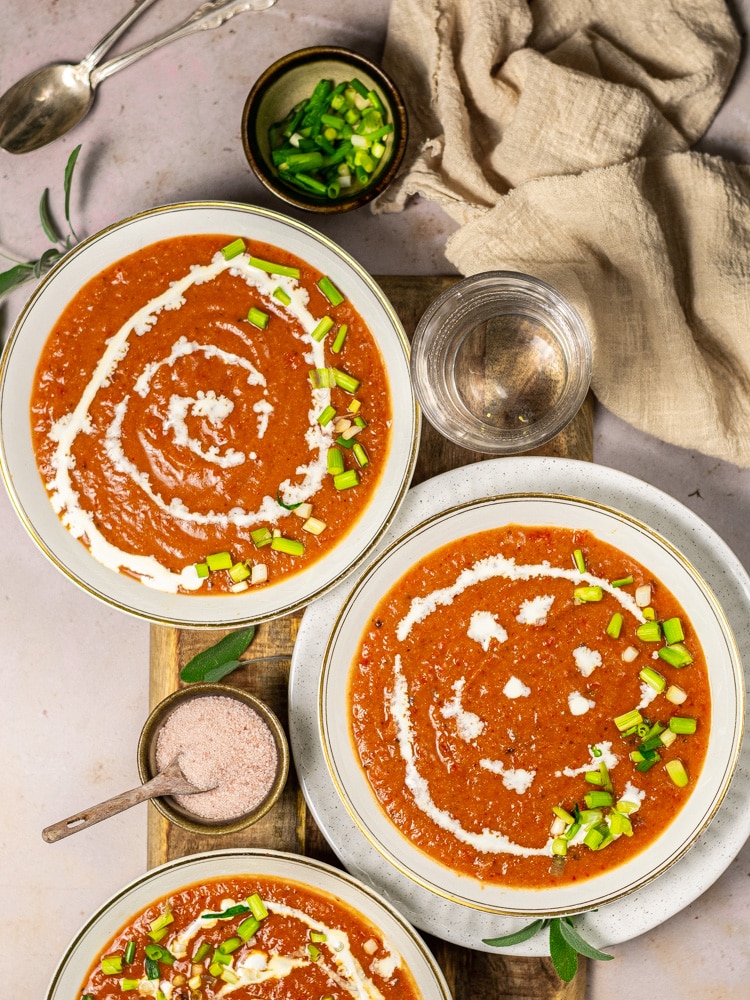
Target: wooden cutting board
point(471, 975)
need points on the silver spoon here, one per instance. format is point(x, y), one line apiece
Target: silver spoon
point(170, 781)
point(50, 101)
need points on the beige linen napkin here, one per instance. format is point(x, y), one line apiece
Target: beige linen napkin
point(557, 133)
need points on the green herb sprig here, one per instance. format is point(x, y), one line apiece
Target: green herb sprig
point(218, 660)
point(24, 271)
point(565, 944)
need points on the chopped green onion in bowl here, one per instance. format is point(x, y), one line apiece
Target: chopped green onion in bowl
point(324, 128)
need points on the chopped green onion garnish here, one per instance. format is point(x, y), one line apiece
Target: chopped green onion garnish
point(239, 572)
point(272, 268)
point(560, 847)
point(653, 678)
point(597, 800)
point(676, 771)
point(338, 341)
point(257, 317)
point(627, 720)
point(615, 625)
point(203, 949)
point(165, 918)
point(588, 594)
point(345, 480)
point(649, 632)
point(322, 328)
point(579, 561)
point(261, 537)
point(129, 953)
point(287, 506)
point(335, 461)
point(281, 296)
point(233, 249)
point(620, 824)
point(159, 954)
point(624, 581)
point(291, 546)
point(231, 944)
point(248, 927)
point(593, 839)
point(648, 762)
point(257, 906)
point(152, 969)
point(360, 454)
point(314, 952)
point(676, 655)
point(217, 560)
point(229, 976)
point(345, 381)
point(112, 965)
point(563, 814)
point(202, 570)
point(593, 777)
point(322, 378)
point(673, 631)
point(327, 416)
point(129, 984)
point(624, 806)
point(330, 291)
point(682, 725)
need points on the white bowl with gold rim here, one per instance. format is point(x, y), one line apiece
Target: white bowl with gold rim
point(668, 565)
point(17, 374)
point(102, 926)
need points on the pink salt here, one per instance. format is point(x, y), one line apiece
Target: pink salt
point(223, 742)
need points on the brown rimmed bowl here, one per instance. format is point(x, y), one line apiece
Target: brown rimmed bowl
point(168, 806)
point(290, 80)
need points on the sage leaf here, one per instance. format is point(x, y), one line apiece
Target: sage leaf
point(580, 944)
point(15, 276)
point(50, 230)
point(22, 272)
point(564, 956)
point(218, 673)
point(67, 181)
point(518, 936)
point(45, 262)
point(223, 654)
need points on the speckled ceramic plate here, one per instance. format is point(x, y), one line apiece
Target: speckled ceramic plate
point(104, 924)
point(17, 373)
point(452, 918)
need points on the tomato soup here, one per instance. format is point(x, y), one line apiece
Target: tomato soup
point(250, 937)
point(210, 414)
point(530, 706)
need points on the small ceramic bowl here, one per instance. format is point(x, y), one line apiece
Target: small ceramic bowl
point(292, 79)
point(177, 812)
point(501, 363)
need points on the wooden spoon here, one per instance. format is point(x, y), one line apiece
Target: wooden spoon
point(170, 781)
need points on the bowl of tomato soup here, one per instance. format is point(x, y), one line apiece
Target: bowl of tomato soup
point(261, 923)
point(206, 416)
point(544, 704)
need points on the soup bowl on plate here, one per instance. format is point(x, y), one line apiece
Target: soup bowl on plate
point(516, 696)
point(171, 397)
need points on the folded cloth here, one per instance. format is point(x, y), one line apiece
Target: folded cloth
point(557, 134)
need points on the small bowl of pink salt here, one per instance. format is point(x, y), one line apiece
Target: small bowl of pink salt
point(228, 743)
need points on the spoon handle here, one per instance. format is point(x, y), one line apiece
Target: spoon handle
point(211, 14)
point(113, 34)
point(161, 784)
